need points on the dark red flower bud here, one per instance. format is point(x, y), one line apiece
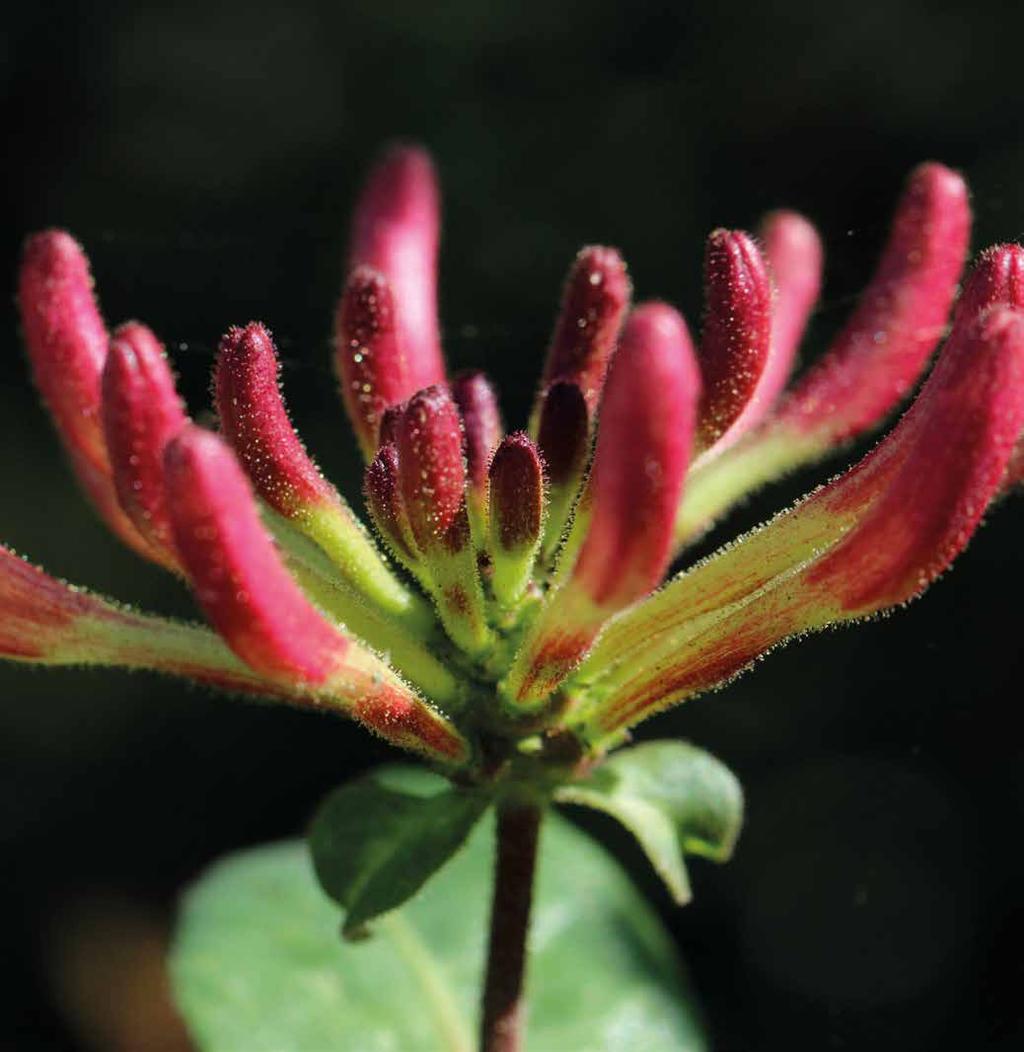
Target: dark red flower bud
point(431, 466)
point(516, 515)
point(481, 423)
point(736, 341)
point(382, 488)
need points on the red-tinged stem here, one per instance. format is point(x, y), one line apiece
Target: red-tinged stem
point(503, 1025)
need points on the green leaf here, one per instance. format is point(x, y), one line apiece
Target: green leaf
point(258, 965)
point(377, 840)
point(674, 798)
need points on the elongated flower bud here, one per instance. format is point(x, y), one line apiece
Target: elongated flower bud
point(594, 304)
point(736, 341)
point(873, 362)
point(795, 258)
point(368, 356)
point(255, 421)
point(432, 477)
point(482, 431)
point(67, 346)
point(396, 231)
point(564, 443)
point(516, 509)
point(141, 414)
point(244, 589)
point(881, 351)
point(645, 438)
point(873, 538)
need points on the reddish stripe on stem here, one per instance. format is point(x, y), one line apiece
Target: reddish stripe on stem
point(395, 230)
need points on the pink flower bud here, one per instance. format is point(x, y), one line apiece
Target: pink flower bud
point(594, 303)
point(67, 346)
point(481, 425)
point(255, 422)
point(644, 441)
point(396, 231)
point(431, 467)
point(997, 278)
point(901, 315)
point(736, 341)
point(562, 432)
point(141, 414)
point(372, 370)
point(795, 258)
point(238, 577)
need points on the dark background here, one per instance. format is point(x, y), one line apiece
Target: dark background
point(207, 155)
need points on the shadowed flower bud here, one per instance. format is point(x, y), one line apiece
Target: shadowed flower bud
point(736, 341)
point(382, 488)
point(516, 516)
point(644, 442)
point(141, 414)
point(245, 590)
point(371, 367)
point(254, 419)
point(396, 231)
point(793, 251)
point(564, 443)
point(594, 303)
point(482, 431)
point(67, 346)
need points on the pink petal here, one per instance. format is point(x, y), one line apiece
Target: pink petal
point(395, 231)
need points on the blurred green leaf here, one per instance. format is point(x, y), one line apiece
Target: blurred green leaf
point(375, 841)
point(258, 964)
point(674, 798)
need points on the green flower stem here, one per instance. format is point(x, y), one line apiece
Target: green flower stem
point(503, 1018)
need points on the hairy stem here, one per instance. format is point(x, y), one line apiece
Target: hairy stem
point(503, 1022)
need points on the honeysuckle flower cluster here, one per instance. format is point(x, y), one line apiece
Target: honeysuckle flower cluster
point(507, 601)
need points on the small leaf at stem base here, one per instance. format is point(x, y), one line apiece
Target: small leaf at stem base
point(377, 840)
point(674, 798)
